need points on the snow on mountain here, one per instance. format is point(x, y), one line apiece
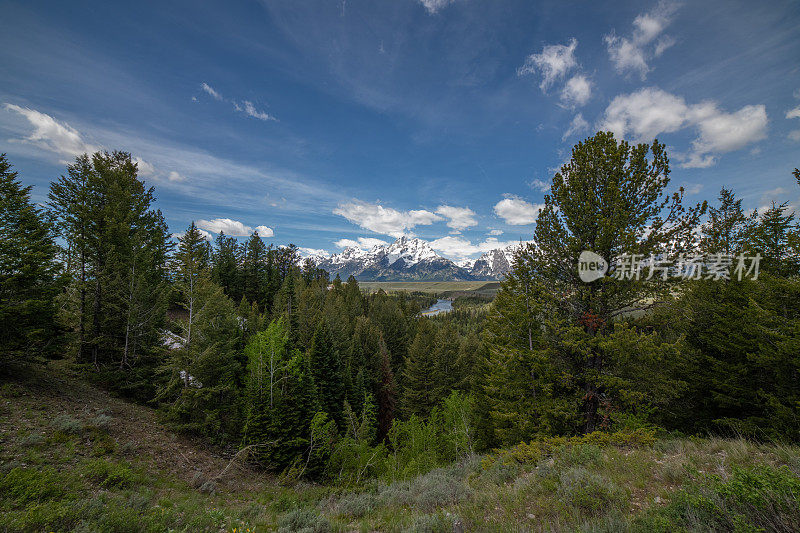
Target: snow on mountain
point(413, 259)
point(494, 264)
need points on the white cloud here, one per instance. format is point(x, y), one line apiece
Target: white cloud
point(516, 211)
point(52, 135)
point(265, 232)
point(435, 5)
point(722, 132)
point(793, 113)
point(794, 135)
point(645, 114)
point(317, 252)
point(460, 218)
point(175, 176)
point(250, 110)
point(633, 54)
point(364, 243)
point(541, 185)
point(385, 220)
point(553, 62)
point(203, 233)
point(211, 91)
point(577, 126)
point(649, 112)
point(576, 91)
point(460, 248)
point(232, 228)
point(143, 167)
point(496, 232)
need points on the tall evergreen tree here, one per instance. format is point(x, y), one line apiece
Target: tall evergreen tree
point(201, 394)
point(328, 373)
point(121, 245)
point(225, 270)
point(28, 273)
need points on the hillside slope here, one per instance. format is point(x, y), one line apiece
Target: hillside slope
point(74, 458)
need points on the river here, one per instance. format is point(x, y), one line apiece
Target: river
point(441, 306)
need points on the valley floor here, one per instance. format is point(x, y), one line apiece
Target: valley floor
point(74, 458)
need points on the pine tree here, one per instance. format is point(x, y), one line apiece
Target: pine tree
point(726, 227)
point(254, 270)
point(328, 373)
point(28, 273)
point(119, 244)
point(201, 394)
point(610, 199)
point(225, 270)
point(387, 393)
point(420, 379)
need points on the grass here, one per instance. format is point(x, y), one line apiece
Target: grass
point(102, 464)
point(442, 288)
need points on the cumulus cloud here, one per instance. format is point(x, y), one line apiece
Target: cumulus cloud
point(793, 113)
point(460, 248)
point(385, 220)
point(206, 235)
point(232, 228)
point(516, 211)
point(435, 5)
point(649, 112)
point(647, 42)
point(496, 232)
point(52, 135)
point(265, 231)
point(364, 243)
point(576, 91)
point(577, 126)
point(250, 110)
point(211, 91)
point(553, 62)
point(459, 218)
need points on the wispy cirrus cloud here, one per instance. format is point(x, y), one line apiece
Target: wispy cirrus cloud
point(433, 6)
point(208, 89)
point(244, 106)
point(52, 135)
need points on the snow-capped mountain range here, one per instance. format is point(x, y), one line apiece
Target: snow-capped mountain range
point(412, 259)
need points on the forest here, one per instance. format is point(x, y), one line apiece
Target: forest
point(249, 348)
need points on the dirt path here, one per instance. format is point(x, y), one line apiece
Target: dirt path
point(31, 401)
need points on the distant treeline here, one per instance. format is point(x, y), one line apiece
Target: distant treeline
point(315, 378)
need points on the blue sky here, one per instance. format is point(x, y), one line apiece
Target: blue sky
point(340, 122)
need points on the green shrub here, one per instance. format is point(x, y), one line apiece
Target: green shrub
point(754, 499)
point(67, 425)
point(589, 492)
point(23, 486)
point(303, 521)
point(108, 474)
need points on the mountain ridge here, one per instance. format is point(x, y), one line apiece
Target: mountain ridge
point(413, 259)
